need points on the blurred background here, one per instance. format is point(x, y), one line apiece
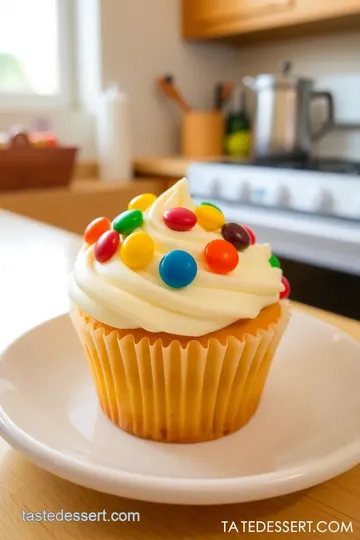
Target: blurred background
point(256, 101)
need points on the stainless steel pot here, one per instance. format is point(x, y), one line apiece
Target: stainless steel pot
point(282, 127)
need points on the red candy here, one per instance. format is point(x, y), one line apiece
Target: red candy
point(95, 229)
point(286, 292)
point(251, 234)
point(221, 256)
point(106, 246)
point(180, 219)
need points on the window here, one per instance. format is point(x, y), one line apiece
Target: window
point(35, 52)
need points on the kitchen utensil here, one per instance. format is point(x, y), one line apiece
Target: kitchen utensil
point(227, 91)
point(222, 93)
point(282, 127)
point(167, 85)
point(305, 431)
point(218, 96)
point(202, 134)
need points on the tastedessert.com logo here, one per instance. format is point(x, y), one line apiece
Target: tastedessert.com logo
point(62, 515)
point(319, 527)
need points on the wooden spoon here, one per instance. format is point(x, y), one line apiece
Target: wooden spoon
point(167, 85)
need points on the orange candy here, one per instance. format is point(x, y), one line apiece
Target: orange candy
point(221, 256)
point(95, 229)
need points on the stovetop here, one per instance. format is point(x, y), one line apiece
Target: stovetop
point(322, 165)
point(304, 209)
point(318, 187)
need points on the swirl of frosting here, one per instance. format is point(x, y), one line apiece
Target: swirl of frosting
point(124, 298)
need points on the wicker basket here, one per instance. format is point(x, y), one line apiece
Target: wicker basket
point(22, 166)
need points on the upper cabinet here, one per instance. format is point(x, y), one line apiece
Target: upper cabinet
point(230, 18)
point(224, 12)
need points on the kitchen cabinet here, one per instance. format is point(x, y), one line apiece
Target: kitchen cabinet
point(222, 13)
point(206, 19)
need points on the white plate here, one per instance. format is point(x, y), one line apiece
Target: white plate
point(306, 429)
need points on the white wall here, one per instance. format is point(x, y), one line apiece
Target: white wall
point(141, 41)
point(314, 57)
point(88, 49)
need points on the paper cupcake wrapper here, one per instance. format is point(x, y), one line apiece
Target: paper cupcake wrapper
point(175, 394)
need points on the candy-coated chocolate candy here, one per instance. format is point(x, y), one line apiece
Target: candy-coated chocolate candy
point(236, 235)
point(178, 269)
point(274, 261)
point(95, 229)
point(251, 234)
point(287, 289)
point(51, 140)
point(210, 204)
point(210, 218)
point(39, 143)
point(137, 250)
point(221, 256)
point(180, 219)
point(128, 221)
point(106, 246)
point(142, 202)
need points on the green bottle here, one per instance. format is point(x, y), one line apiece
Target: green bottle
point(237, 135)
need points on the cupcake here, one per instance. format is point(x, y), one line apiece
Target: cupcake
point(179, 313)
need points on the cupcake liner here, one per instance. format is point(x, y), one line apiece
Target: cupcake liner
point(175, 394)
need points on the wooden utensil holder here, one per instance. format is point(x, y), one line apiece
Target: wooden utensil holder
point(202, 134)
point(23, 167)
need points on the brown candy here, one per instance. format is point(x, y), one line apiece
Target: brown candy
point(236, 235)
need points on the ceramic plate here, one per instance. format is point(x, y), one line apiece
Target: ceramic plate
point(305, 431)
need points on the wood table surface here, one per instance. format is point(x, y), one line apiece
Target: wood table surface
point(35, 257)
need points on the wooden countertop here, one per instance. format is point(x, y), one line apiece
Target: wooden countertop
point(151, 166)
point(25, 486)
point(74, 206)
point(169, 166)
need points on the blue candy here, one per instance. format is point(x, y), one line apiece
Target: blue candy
point(178, 269)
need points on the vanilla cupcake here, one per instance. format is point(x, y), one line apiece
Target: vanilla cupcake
point(179, 314)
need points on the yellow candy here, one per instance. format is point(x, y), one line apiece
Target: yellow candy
point(142, 202)
point(137, 250)
point(210, 218)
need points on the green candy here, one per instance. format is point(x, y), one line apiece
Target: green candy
point(210, 204)
point(128, 221)
point(274, 261)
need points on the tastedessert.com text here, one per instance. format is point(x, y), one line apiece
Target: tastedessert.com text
point(63, 515)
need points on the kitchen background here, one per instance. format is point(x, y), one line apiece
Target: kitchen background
point(115, 42)
point(104, 43)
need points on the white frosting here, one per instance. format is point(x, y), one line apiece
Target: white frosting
point(123, 298)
